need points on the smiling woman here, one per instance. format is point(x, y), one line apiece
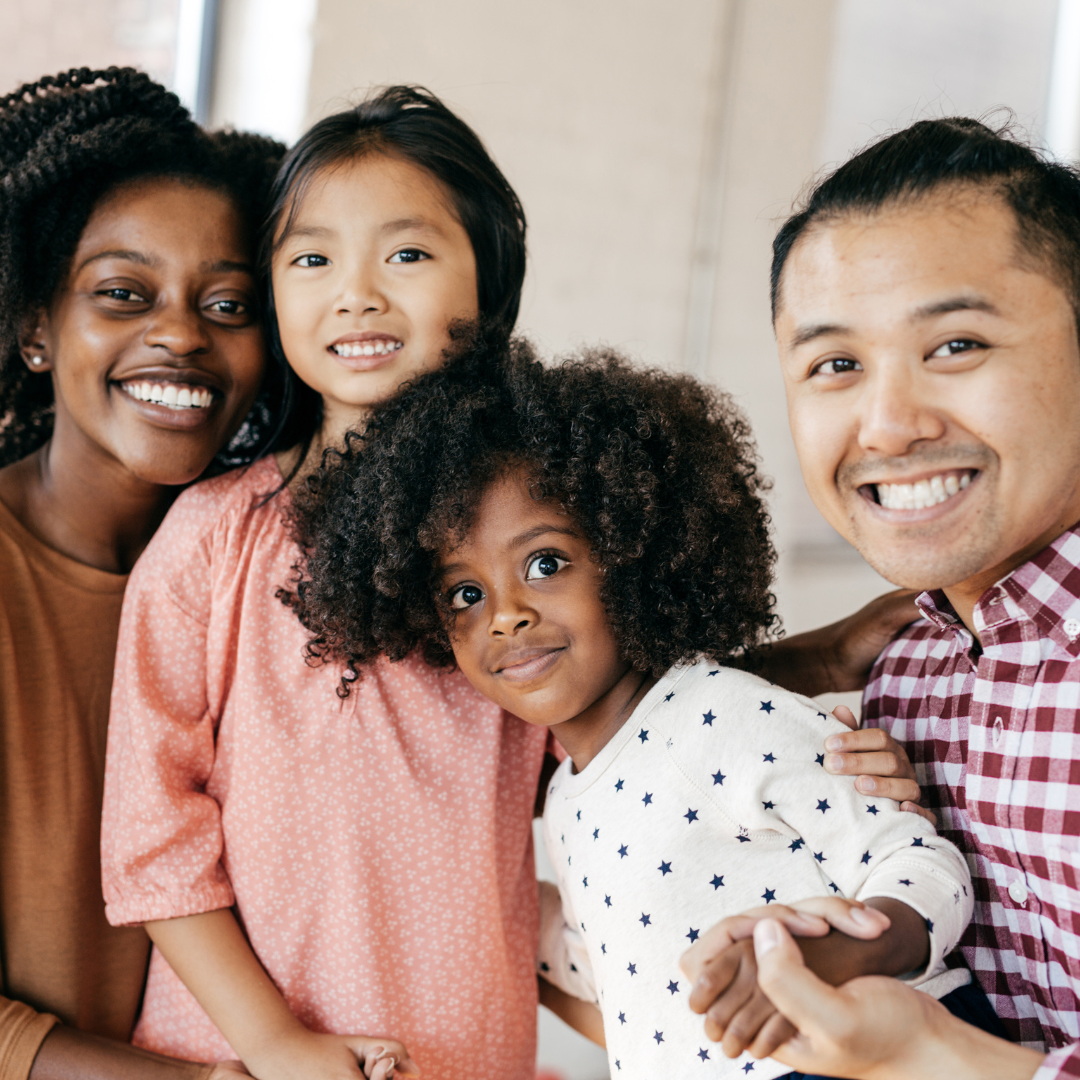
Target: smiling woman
point(130, 354)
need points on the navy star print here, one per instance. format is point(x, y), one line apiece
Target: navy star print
point(866, 858)
point(607, 901)
point(905, 881)
point(595, 834)
point(796, 844)
point(820, 759)
point(917, 842)
point(643, 735)
point(717, 881)
point(585, 882)
point(673, 987)
point(668, 697)
point(659, 1037)
point(703, 1053)
point(769, 757)
point(622, 1018)
point(769, 895)
point(715, 671)
point(623, 851)
point(618, 785)
point(645, 919)
point(767, 707)
point(823, 805)
point(708, 718)
point(690, 815)
point(748, 1067)
point(648, 798)
point(819, 855)
point(718, 778)
point(769, 805)
point(872, 810)
point(693, 935)
point(632, 968)
point(664, 868)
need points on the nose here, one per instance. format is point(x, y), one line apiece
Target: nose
point(510, 614)
point(894, 411)
point(179, 329)
point(361, 293)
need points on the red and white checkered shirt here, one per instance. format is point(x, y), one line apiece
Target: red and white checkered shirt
point(995, 741)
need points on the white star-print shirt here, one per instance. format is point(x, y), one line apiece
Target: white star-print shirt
point(710, 800)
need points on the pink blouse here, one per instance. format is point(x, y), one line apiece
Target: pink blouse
point(378, 850)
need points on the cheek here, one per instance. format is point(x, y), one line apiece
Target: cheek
point(821, 429)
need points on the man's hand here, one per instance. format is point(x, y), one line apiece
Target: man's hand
point(879, 762)
point(873, 1028)
point(723, 972)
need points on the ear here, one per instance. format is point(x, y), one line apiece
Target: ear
point(33, 342)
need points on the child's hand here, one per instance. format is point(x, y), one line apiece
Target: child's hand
point(721, 967)
point(308, 1055)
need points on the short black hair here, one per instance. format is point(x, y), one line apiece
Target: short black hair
point(658, 471)
point(65, 142)
point(411, 123)
point(957, 152)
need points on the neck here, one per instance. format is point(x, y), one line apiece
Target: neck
point(337, 420)
point(84, 504)
point(585, 735)
point(965, 594)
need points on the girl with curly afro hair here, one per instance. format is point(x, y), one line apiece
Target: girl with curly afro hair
point(130, 358)
point(587, 544)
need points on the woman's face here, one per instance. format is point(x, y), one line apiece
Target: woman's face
point(152, 341)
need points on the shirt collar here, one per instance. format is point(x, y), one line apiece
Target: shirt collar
point(1046, 588)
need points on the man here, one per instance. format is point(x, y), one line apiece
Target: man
point(925, 307)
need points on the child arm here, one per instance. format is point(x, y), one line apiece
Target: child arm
point(215, 962)
point(583, 1016)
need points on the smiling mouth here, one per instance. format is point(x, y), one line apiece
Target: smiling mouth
point(528, 665)
point(922, 493)
point(170, 394)
point(350, 349)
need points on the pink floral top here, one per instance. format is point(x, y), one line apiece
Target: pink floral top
point(378, 850)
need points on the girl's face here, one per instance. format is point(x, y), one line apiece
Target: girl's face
point(529, 627)
point(373, 269)
point(152, 341)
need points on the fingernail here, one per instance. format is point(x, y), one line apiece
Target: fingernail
point(834, 742)
point(766, 937)
point(834, 762)
point(866, 783)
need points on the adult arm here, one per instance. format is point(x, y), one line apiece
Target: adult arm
point(875, 1028)
point(70, 1054)
point(836, 658)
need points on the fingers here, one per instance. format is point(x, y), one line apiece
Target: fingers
point(716, 941)
point(788, 983)
point(922, 811)
point(774, 1033)
point(382, 1058)
point(885, 788)
point(846, 716)
point(714, 980)
point(747, 1023)
point(851, 917)
point(868, 750)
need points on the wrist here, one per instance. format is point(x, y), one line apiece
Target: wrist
point(947, 1046)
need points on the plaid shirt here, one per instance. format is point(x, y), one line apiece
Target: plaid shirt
point(995, 741)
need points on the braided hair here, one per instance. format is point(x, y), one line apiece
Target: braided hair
point(65, 142)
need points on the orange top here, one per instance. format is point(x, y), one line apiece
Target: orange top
point(378, 850)
point(59, 956)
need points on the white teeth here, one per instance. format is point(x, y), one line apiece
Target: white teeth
point(369, 348)
point(922, 493)
point(175, 397)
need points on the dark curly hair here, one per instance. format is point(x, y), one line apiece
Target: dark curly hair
point(659, 472)
point(65, 142)
point(408, 122)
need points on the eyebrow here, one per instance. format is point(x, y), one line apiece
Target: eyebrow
point(122, 253)
point(920, 314)
point(225, 266)
point(519, 540)
point(403, 224)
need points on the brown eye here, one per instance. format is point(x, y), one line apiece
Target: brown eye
point(544, 566)
point(465, 596)
point(957, 345)
point(840, 366)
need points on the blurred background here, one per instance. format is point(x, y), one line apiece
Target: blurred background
point(655, 144)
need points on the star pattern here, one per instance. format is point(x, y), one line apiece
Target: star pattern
point(605, 892)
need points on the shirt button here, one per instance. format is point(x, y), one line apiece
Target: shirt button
point(1072, 629)
point(1018, 892)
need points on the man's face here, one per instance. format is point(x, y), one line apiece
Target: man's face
point(933, 385)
